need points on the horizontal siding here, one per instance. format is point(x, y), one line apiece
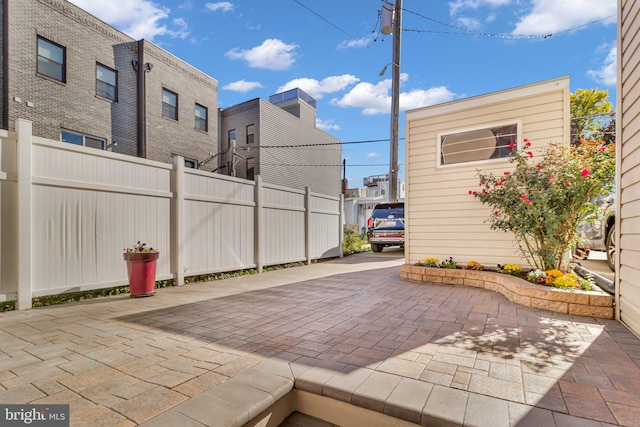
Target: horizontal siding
point(443, 219)
point(628, 272)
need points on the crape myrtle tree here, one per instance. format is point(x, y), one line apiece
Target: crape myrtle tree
point(543, 199)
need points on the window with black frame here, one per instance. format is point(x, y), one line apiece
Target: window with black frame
point(201, 118)
point(106, 82)
point(169, 104)
point(51, 60)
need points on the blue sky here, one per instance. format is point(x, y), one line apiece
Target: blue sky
point(333, 50)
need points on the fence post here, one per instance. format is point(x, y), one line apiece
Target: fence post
point(307, 224)
point(257, 223)
point(341, 226)
point(179, 218)
point(24, 130)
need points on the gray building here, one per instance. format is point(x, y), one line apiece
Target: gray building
point(279, 140)
point(82, 81)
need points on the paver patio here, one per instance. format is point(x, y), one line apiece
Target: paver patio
point(350, 329)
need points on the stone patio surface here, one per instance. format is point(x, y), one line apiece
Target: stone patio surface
point(349, 329)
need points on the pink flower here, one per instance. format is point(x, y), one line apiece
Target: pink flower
point(524, 197)
point(507, 173)
point(512, 145)
point(602, 148)
point(527, 142)
point(530, 154)
point(585, 172)
point(567, 182)
point(528, 202)
point(538, 167)
point(496, 212)
point(551, 179)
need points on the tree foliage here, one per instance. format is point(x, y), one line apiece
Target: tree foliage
point(591, 116)
point(542, 201)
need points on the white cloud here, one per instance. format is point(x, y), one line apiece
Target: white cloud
point(242, 86)
point(458, 5)
point(373, 155)
point(376, 99)
point(363, 42)
point(272, 54)
point(181, 30)
point(469, 23)
point(317, 88)
point(224, 6)
point(326, 125)
point(608, 73)
point(552, 16)
point(136, 18)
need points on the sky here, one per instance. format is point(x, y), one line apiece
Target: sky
point(334, 51)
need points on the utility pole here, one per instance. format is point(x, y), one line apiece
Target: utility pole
point(395, 102)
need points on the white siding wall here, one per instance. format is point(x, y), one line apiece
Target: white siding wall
point(443, 220)
point(628, 219)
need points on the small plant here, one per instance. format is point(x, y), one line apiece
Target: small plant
point(353, 242)
point(139, 248)
point(474, 265)
point(430, 262)
point(552, 275)
point(448, 263)
point(536, 276)
point(512, 269)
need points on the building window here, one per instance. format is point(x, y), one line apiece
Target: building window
point(106, 82)
point(190, 163)
point(169, 104)
point(201, 118)
point(231, 137)
point(82, 139)
point(476, 145)
point(250, 134)
point(51, 60)
point(251, 168)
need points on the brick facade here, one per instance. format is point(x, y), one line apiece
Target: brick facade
point(73, 105)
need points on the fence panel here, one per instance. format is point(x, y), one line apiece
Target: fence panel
point(219, 223)
point(8, 218)
point(87, 206)
point(324, 221)
point(283, 225)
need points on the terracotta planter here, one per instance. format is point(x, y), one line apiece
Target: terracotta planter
point(141, 267)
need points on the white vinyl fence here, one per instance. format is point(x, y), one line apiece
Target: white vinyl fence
point(67, 212)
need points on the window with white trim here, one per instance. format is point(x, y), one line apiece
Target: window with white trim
point(83, 139)
point(477, 145)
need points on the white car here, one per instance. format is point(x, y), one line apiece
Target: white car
point(598, 233)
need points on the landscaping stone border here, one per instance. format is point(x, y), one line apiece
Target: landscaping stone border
point(594, 303)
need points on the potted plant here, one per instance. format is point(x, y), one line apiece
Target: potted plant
point(141, 267)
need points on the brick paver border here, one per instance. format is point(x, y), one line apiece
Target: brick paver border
point(594, 303)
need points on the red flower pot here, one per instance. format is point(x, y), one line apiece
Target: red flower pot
point(141, 267)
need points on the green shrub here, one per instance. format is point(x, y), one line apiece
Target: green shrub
point(353, 242)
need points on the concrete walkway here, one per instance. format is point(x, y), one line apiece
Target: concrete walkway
point(349, 329)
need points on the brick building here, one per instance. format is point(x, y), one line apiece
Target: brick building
point(82, 81)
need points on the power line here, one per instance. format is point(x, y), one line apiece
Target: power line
point(464, 31)
point(323, 18)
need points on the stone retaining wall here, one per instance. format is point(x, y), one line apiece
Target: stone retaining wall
point(594, 303)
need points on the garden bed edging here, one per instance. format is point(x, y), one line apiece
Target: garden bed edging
point(594, 303)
